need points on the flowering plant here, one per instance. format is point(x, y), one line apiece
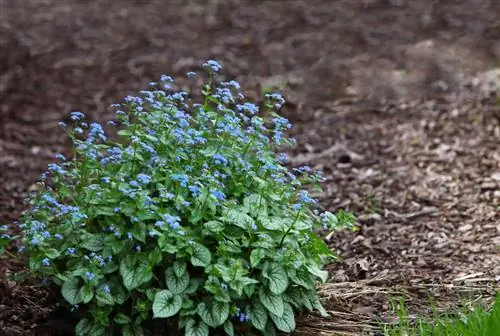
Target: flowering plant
point(190, 216)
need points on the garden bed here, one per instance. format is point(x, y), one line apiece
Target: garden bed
point(395, 115)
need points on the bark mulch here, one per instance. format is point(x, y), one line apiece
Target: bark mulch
point(391, 99)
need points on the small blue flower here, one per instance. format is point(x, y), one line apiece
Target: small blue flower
point(71, 250)
point(134, 183)
point(62, 124)
point(143, 178)
point(90, 276)
point(46, 262)
point(191, 74)
point(129, 235)
point(220, 159)
point(106, 289)
point(77, 116)
point(218, 194)
point(106, 179)
point(195, 190)
point(166, 78)
point(212, 66)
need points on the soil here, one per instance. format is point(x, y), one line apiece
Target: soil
point(394, 100)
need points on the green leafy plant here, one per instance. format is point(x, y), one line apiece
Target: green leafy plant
point(188, 215)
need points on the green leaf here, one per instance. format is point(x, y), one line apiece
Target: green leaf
point(206, 315)
point(286, 321)
point(258, 316)
point(71, 291)
point(104, 297)
point(166, 304)
point(273, 303)
point(52, 253)
point(92, 242)
point(220, 312)
point(121, 318)
point(201, 256)
point(214, 226)
point(315, 270)
point(86, 293)
point(256, 256)
point(239, 218)
point(135, 271)
point(180, 268)
point(301, 278)
point(255, 204)
point(278, 279)
point(228, 328)
point(196, 329)
point(175, 284)
point(270, 329)
point(316, 303)
point(194, 284)
point(273, 224)
point(87, 328)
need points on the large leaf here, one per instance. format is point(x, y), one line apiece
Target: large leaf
point(258, 316)
point(87, 293)
point(179, 268)
point(166, 304)
point(71, 291)
point(255, 205)
point(285, 322)
point(239, 218)
point(201, 256)
point(92, 242)
point(272, 302)
point(194, 328)
point(228, 328)
point(135, 271)
point(256, 256)
point(176, 284)
point(87, 328)
point(315, 270)
point(278, 279)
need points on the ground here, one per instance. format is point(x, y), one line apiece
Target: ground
point(394, 100)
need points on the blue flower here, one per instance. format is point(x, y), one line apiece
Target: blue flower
point(77, 116)
point(90, 276)
point(166, 78)
point(218, 194)
point(71, 250)
point(173, 221)
point(219, 159)
point(46, 262)
point(195, 190)
point(191, 74)
point(106, 289)
point(96, 132)
point(248, 107)
point(212, 66)
point(106, 179)
point(143, 178)
point(134, 183)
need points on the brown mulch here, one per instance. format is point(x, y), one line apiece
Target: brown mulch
point(388, 98)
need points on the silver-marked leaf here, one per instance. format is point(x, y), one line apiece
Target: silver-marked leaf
point(278, 279)
point(86, 293)
point(206, 315)
point(256, 256)
point(258, 316)
point(315, 270)
point(166, 304)
point(228, 328)
point(87, 328)
point(239, 218)
point(179, 268)
point(71, 291)
point(176, 284)
point(273, 303)
point(201, 256)
point(285, 322)
point(220, 312)
point(194, 328)
point(135, 271)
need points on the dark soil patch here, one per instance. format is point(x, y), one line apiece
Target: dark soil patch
point(386, 99)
